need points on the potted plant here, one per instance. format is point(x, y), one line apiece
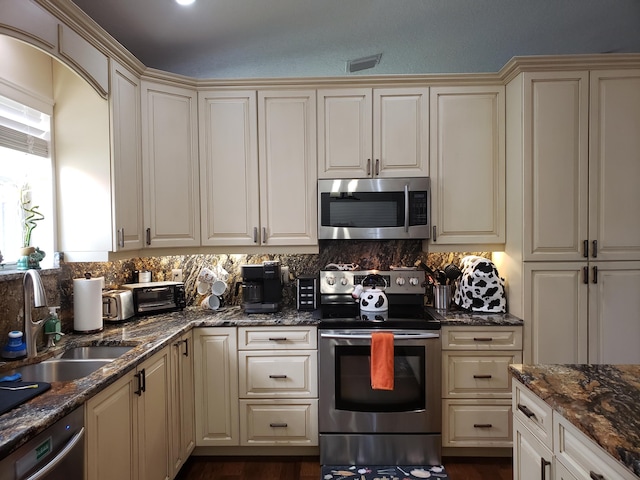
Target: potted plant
point(30, 256)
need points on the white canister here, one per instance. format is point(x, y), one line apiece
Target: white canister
point(87, 304)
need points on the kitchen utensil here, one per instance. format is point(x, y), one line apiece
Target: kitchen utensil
point(23, 387)
point(441, 277)
point(452, 272)
point(373, 299)
point(441, 297)
point(16, 377)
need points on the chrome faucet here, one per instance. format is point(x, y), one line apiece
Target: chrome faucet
point(32, 290)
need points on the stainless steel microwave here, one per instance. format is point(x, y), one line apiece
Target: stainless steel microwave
point(382, 208)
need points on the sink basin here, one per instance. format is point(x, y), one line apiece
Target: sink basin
point(103, 352)
point(59, 370)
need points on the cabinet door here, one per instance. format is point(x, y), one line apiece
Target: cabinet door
point(468, 165)
point(182, 402)
point(110, 417)
point(288, 168)
point(216, 386)
point(345, 133)
point(229, 186)
point(170, 166)
point(614, 303)
point(154, 418)
point(555, 302)
point(555, 148)
point(614, 165)
point(531, 459)
point(31, 23)
point(400, 132)
point(126, 186)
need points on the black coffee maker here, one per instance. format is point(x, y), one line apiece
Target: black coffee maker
point(261, 287)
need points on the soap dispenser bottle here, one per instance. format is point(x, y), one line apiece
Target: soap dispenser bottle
point(52, 327)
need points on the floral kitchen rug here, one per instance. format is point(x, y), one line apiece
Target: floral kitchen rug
point(378, 472)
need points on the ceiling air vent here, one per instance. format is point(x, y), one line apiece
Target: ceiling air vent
point(363, 63)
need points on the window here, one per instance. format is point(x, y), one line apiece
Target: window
point(25, 172)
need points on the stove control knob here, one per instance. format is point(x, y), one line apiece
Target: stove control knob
point(400, 281)
point(344, 281)
point(331, 280)
point(414, 281)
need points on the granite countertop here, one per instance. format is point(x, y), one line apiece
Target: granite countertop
point(603, 401)
point(149, 335)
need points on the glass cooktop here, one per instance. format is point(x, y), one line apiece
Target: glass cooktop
point(398, 316)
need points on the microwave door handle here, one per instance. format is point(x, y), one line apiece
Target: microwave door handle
point(406, 208)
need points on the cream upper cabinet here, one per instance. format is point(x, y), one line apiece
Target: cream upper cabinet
point(258, 167)
point(467, 165)
point(126, 156)
point(381, 132)
point(170, 166)
point(287, 165)
point(30, 22)
point(229, 177)
point(614, 165)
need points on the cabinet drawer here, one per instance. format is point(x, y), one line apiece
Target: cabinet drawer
point(482, 338)
point(281, 374)
point(583, 457)
point(277, 338)
point(264, 422)
point(533, 412)
point(471, 424)
point(473, 375)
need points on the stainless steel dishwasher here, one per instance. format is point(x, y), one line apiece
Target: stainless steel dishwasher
point(55, 454)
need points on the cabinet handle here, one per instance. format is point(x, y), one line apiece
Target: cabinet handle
point(595, 249)
point(277, 376)
point(277, 339)
point(377, 167)
point(595, 476)
point(524, 409)
point(482, 376)
point(368, 167)
point(585, 275)
point(278, 425)
point(482, 425)
point(186, 347)
point(543, 468)
point(433, 233)
point(255, 234)
point(148, 236)
point(483, 339)
point(595, 274)
point(585, 249)
point(121, 237)
point(139, 378)
point(144, 380)
point(264, 234)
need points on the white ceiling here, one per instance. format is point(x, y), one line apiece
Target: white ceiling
point(297, 38)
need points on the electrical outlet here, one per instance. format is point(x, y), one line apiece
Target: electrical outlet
point(176, 275)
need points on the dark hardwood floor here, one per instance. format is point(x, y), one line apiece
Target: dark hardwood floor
point(308, 468)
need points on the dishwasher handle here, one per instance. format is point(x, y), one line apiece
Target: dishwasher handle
point(367, 336)
point(71, 444)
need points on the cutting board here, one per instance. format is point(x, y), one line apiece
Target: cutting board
point(12, 398)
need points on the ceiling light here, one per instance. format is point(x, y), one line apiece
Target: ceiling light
point(363, 63)
point(185, 2)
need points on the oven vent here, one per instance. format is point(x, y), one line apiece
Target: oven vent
point(363, 63)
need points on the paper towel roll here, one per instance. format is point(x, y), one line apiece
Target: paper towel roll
point(87, 304)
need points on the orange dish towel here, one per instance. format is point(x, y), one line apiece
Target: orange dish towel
point(382, 361)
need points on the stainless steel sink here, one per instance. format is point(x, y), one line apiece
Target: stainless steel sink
point(59, 370)
point(102, 352)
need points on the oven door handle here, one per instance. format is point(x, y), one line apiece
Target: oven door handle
point(367, 336)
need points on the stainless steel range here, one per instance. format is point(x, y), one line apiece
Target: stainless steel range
point(360, 425)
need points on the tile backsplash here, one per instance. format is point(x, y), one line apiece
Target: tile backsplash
point(59, 282)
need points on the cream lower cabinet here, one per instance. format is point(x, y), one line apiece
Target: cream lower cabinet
point(278, 386)
point(182, 401)
point(258, 167)
point(476, 385)
point(129, 425)
point(216, 386)
point(467, 166)
point(546, 445)
point(380, 132)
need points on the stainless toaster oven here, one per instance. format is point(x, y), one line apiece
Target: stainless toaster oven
point(157, 297)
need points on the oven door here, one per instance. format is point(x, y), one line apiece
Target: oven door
point(347, 403)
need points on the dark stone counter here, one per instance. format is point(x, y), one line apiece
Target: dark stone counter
point(603, 401)
point(460, 318)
